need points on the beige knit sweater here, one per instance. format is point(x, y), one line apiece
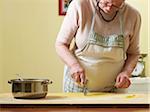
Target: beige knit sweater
point(77, 23)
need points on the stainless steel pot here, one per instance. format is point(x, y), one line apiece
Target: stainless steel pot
point(29, 88)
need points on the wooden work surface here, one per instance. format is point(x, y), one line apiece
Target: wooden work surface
point(79, 98)
point(77, 102)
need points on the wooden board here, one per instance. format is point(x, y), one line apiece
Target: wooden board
point(79, 98)
point(74, 109)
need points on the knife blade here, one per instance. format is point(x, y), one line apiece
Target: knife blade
point(85, 89)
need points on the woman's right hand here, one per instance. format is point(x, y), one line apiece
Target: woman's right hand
point(78, 74)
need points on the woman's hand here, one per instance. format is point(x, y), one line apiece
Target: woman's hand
point(78, 74)
point(122, 80)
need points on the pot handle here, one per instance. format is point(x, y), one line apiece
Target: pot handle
point(46, 82)
point(9, 82)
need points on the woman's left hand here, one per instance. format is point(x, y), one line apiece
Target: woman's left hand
point(122, 80)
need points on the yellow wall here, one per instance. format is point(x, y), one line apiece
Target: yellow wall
point(1, 53)
point(29, 31)
point(149, 39)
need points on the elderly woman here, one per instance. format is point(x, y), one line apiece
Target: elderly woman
point(106, 50)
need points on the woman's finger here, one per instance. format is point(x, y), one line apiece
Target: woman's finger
point(77, 78)
point(117, 82)
point(127, 83)
point(121, 82)
point(82, 78)
point(117, 79)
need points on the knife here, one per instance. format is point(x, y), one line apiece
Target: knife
point(85, 89)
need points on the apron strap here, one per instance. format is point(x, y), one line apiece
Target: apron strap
point(93, 17)
point(93, 21)
point(121, 24)
point(121, 20)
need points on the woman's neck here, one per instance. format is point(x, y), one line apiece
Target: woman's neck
point(107, 15)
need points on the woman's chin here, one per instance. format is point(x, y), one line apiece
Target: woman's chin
point(109, 12)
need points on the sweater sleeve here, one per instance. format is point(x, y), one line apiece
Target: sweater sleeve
point(133, 50)
point(70, 24)
point(134, 39)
